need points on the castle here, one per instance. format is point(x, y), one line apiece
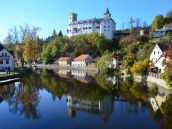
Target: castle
point(105, 25)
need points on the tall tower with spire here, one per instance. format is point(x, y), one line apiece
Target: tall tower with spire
point(107, 14)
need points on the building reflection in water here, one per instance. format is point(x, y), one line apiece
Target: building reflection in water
point(103, 108)
point(80, 75)
point(63, 73)
point(6, 91)
point(157, 100)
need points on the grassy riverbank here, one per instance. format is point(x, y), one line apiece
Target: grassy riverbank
point(18, 72)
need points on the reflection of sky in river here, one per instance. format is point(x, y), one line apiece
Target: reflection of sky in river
point(53, 111)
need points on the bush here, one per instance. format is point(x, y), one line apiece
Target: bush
point(102, 61)
point(167, 76)
point(140, 67)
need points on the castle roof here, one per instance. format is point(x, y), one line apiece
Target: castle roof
point(90, 21)
point(107, 12)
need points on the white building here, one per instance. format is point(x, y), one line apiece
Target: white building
point(167, 27)
point(105, 25)
point(6, 59)
point(158, 33)
point(82, 60)
point(158, 56)
point(163, 31)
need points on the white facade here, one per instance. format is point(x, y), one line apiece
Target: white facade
point(158, 33)
point(167, 27)
point(105, 26)
point(6, 60)
point(157, 58)
point(82, 61)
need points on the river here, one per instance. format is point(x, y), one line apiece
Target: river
point(78, 100)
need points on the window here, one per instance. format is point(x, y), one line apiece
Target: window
point(2, 54)
point(158, 52)
point(97, 27)
point(104, 26)
point(1, 61)
point(7, 61)
point(154, 52)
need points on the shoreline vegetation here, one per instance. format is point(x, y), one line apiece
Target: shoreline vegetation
point(17, 73)
point(137, 78)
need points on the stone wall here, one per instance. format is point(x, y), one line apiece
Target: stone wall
point(151, 80)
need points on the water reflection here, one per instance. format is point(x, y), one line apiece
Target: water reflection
point(6, 92)
point(103, 107)
point(106, 97)
point(25, 101)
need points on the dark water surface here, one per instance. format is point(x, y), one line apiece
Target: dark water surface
point(78, 100)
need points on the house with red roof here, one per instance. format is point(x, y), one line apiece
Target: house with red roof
point(64, 61)
point(162, 32)
point(167, 27)
point(82, 60)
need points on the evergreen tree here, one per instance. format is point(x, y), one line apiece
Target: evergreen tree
point(60, 34)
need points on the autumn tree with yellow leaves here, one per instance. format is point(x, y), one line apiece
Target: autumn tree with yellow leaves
point(27, 45)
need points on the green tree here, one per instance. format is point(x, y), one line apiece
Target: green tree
point(102, 62)
point(60, 34)
point(167, 75)
point(158, 22)
point(140, 67)
point(8, 43)
point(128, 61)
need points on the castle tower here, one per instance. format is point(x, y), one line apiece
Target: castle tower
point(72, 17)
point(107, 14)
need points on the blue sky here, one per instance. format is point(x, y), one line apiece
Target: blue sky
point(53, 14)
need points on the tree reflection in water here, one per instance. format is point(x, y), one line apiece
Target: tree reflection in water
point(24, 98)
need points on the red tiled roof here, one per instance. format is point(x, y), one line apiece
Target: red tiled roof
point(82, 57)
point(167, 25)
point(63, 58)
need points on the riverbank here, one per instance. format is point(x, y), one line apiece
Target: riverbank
point(151, 80)
point(56, 67)
point(17, 73)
